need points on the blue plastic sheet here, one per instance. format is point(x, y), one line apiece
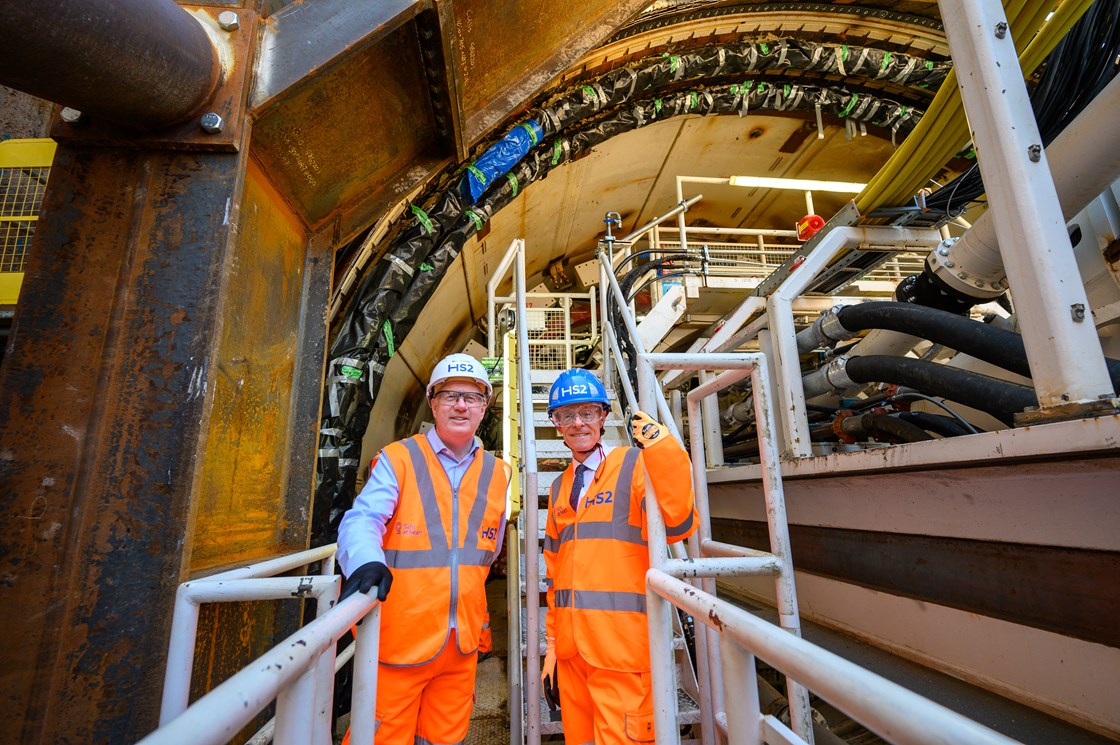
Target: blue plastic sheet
point(502, 156)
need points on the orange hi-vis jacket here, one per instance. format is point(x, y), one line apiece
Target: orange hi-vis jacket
point(434, 579)
point(597, 558)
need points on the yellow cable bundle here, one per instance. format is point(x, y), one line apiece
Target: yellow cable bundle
point(943, 131)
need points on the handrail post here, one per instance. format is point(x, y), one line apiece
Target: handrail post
point(363, 698)
point(744, 720)
point(659, 617)
point(529, 512)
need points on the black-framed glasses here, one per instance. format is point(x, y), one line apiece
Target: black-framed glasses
point(586, 414)
point(450, 398)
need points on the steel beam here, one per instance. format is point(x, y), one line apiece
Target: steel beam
point(146, 64)
point(1065, 356)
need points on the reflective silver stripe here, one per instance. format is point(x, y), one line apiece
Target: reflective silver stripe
point(620, 517)
point(486, 625)
point(568, 533)
point(422, 559)
point(555, 489)
point(626, 533)
point(601, 600)
point(548, 581)
point(681, 529)
point(476, 557)
point(552, 545)
point(481, 500)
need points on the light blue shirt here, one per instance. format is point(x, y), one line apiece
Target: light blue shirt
point(362, 531)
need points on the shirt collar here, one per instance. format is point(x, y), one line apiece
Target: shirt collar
point(597, 456)
point(439, 448)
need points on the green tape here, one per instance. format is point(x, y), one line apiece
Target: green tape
point(693, 100)
point(674, 63)
point(557, 151)
point(886, 61)
point(929, 64)
point(657, 106)
point(388, 330)
point(764, 47)
point(512, 183)
point(532, 132)
point(851, 105)
point(844, 52)
point(353, 373)
point(426, 267)
point(785, 90)
point(422, 216)
point(475, 219)
point(478, 175)
point(588, 90)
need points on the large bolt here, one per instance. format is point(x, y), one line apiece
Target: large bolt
point(70, 116)
point(228, 20)
point(1077, 310)
point(943, 251)
point(211, 123)
point(1001, 30)
point(1034, 152)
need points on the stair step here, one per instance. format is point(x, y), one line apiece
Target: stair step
point(557, 448)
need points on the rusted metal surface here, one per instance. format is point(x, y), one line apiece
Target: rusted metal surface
point(228, 101)
point(144, 64)
point(362, 126)
point(304, 40)
point(1064, 590)
point(238, 514)
point(145, 401)
point(502, 52)
point(101, 404)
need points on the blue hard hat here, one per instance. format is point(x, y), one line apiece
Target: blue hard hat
point(576, 386)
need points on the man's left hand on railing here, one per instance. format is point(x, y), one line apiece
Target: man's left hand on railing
point(365, 577)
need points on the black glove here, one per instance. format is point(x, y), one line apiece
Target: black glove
point(552, 689)
point(365, 577)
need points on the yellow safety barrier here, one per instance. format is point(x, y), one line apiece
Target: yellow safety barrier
point(24, 168)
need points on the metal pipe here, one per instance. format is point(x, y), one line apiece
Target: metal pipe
point(659, 618)
point(184, 622)
point(529, 512)
point(682, 207)
point(891, 711)
point(146, 64)
point(220, 714)
point(722, 567)
point(759, 232)
point(513, 662)
point(363, 696)
point(745, 718)
point(491, 288)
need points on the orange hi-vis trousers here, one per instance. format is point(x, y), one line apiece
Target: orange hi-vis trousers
point(604, 707)
point(429, 703)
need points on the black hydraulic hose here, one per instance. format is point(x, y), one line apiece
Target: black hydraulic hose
point(980, 340)
point(946, 426)
point(999, 398)
point(883, 426)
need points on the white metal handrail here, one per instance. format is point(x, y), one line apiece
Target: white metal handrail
point(891, 711)
point(288, 674)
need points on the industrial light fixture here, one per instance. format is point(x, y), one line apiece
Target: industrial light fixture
point(846, 187)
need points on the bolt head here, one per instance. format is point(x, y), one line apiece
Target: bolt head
point(950, 264)
point(228, 20)
point(943, 251)
point(70, 116)
point(211, 123)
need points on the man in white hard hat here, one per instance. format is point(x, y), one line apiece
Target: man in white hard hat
point(429, 523)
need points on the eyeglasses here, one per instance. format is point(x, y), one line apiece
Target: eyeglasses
point(450, 398)
point(587, 415)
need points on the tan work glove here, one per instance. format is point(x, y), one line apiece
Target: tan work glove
point(549, 681)
point(646, 429)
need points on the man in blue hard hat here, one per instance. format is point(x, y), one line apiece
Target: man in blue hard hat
point(596, 559)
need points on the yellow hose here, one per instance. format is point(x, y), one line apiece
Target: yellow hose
point(943, 131)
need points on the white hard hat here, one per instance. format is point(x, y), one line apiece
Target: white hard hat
point(459, 365)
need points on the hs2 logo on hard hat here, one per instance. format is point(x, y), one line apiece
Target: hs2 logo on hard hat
point(461, 366)
point(572, 390)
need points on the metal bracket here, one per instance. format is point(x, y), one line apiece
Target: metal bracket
point(305, 587)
